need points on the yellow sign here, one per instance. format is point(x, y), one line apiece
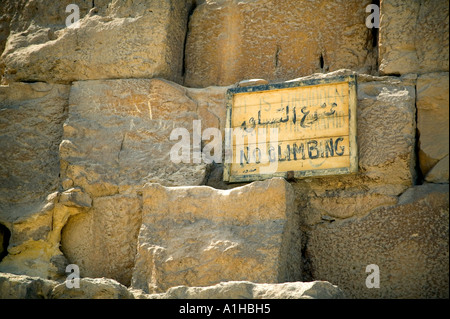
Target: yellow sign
point(292, 129)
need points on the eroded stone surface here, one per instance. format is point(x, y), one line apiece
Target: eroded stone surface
point(408, 241)
point(230, 41)
point(413, 37)
point(114, 40)
point(198, 236)
point(249, 290)
point(433, 124)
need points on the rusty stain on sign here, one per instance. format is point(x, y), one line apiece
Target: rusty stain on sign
point(315, 122)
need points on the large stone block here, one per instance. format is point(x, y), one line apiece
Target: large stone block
point(117, 135)
point(413, 36)
point(199, 236)
point(25, 287)
point(102, 242)
point(433, 125)
point(92, 288)
point(34, 245)
point(229, 41)
point(116, 139)
point(114, 40)
point(31, 128)
point(408, 241)
point(387, 130)
point(249, 290)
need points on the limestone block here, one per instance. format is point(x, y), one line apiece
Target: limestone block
point(31, 127)
point(102, 242)
point(34, 246)
point(408, 242)
point(199, 236)
point(117, 135)
point(25, 287)
point(115, 39)
point(249, 290)
point(342, 205)
point(117, 138)
point(439, 172)
point(433, 123)
point(92, 288)
point(413, 36)
point(387, 130)
point(230, 41)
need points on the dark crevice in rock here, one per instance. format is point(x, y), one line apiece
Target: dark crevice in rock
point(419, 177)
point(5, 235)
point(277, 57)
point(306, 261)
point(375, 30)
point(190, 13)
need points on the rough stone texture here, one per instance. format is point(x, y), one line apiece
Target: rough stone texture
point(408, 241)
point(103, 241)
point(230, 41)
point(413, 36)
point(386, 130)
point(199, 236)
point(117, 135)
point(34, 247)
point(31, 127)
point(92, 288)
point(24, 287)
point(249, 290)
point(340, 205)
point(31, 120)
point(433, 125)
point(439, 172)
point(133, 119)
point(132, 39)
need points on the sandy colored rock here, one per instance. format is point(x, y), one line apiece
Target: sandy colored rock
point(24, 287)
point(34, 246)
point(133, 119)
point(340, 205)
point(92, 288)
point(439, 172)
point(117, 135)
point(433, 121)
point(249, 290)
point(102, 242)
point(387, 130)
point(408, 241)
point(230, 41)
point(199, 236)
point(31, 127)
point(114, 40)
point(413, 36)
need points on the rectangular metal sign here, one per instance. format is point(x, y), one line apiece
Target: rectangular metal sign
point(292, 129)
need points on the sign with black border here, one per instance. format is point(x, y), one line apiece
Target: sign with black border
point(293, 129)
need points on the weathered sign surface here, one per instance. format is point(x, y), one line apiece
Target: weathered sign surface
point(292, 129)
